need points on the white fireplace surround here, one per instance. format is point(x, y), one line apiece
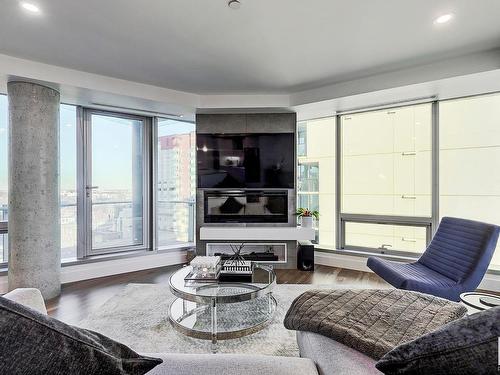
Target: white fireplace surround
point(209, 233)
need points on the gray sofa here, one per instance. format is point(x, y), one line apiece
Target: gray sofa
point(319, 355)
point(332, 357)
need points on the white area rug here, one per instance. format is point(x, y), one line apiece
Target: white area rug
point(138, 317)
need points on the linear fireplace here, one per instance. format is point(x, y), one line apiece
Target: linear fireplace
point(245, 206)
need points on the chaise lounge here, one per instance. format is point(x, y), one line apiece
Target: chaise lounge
point(455, 261)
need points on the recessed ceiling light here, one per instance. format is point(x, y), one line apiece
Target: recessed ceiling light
point(234, 4)
point(30, 7)
point(444, 18)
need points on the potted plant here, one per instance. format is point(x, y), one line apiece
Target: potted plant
point(306, 217)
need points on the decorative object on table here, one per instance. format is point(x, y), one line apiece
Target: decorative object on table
point(236, 268)
point(454, 262)
point(204, 269)
point(306, 217)
point(480, 301)
point(253, 256)
point(305, 256)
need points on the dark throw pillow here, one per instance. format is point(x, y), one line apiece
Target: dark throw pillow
point(32, 343)
point(466, 346)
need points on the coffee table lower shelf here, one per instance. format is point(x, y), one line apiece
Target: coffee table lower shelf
point(221, 321)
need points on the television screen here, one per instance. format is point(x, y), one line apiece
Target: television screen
point(245, 160)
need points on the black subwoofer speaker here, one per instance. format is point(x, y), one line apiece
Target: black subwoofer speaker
point(305, 256)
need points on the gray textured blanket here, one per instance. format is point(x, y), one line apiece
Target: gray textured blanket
point(369, 320)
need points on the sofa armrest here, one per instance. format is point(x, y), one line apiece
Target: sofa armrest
point(230, 364)
point(332, 357)
point(29, 297)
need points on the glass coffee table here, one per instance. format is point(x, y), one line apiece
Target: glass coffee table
point(222, 310)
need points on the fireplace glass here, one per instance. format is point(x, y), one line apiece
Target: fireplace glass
point(246, 206)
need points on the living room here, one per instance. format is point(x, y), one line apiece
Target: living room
point(243, 186)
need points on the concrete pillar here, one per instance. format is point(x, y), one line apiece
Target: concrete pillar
point(34, 221)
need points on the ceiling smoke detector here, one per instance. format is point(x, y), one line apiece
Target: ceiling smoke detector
point(234, 4)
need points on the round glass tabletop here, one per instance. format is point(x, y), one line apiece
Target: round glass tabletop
point(263, 281)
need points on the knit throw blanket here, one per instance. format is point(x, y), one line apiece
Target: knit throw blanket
point(370, 321)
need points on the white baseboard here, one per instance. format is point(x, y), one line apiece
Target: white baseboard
point(342, 261)
point(358, 263)
point(94, 270)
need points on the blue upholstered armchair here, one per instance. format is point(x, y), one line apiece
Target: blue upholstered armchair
point(455, 261)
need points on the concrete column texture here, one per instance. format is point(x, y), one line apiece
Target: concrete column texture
point(34, 203)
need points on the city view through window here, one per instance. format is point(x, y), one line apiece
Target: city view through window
point(176, 180)
point(117, 174)
point(67, 165)
point(117, 182)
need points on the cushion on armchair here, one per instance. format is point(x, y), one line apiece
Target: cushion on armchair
point(33, 343)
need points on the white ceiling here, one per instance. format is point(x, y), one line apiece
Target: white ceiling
point(268, 46)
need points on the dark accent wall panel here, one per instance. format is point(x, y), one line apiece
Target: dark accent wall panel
point(248, 123)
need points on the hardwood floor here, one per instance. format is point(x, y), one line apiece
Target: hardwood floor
point(78, 299)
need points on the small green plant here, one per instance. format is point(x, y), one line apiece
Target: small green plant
point(305, 212)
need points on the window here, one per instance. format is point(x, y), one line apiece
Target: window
point(308, 177)
point(386, 236)
point(316, 174)
point(386, 162)
point(302, 139)
point(176, 182)
point(469, 160)
point(386, 172)
point(4, 182)
point(116, 196)
point(67, 146)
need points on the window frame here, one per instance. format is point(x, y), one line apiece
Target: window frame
point(155, 186)
point(307, 167)
point(430, 223)
point(408, 221)
point(84, 176)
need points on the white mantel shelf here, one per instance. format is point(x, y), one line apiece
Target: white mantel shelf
point(256, 233)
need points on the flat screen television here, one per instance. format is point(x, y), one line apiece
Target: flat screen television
point(246, 160)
